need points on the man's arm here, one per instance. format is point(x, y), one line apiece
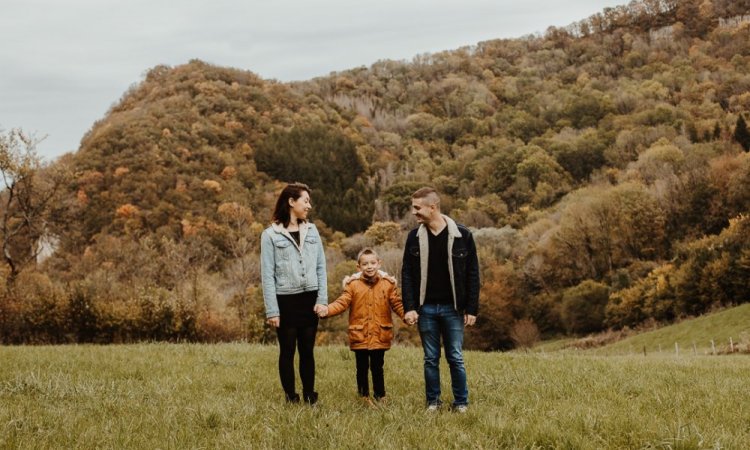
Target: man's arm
point(472, 280)
point(407, 281)
point(407, 286)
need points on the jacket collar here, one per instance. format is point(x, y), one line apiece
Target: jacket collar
point(424, 249)
point(370, 281)
point(304, 227)
point(452, 228)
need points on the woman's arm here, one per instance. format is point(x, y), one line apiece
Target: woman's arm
point(321, 273)
point(268, 275)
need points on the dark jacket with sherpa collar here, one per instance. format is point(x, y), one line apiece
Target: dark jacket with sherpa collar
point(463, 267)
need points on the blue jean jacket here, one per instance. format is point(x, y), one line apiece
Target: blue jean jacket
point(287, 268)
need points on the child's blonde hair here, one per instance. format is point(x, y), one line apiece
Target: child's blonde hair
point(366, 251)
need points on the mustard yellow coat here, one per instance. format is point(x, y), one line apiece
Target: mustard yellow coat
point(370, 303)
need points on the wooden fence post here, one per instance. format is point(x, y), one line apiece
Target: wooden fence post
point(731, 345)
point(676, 349)
point(713, 347)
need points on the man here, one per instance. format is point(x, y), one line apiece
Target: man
point(440, 289)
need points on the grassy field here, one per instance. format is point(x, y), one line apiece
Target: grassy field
point(162, 396)
point(731, 323)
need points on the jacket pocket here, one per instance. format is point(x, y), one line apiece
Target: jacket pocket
point(460, 252)
point(356, 334)
point(386, 333)
point(283, 247)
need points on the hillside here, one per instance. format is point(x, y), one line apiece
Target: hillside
point(731, 323)
point(604, 167)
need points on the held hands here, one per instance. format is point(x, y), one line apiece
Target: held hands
point(469, 320)
point(411, 317)
point(321, 310)
point(274, 321)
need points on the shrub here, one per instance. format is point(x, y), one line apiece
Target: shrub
point(583, 307)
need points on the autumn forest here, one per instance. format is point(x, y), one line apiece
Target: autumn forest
point(603, 167)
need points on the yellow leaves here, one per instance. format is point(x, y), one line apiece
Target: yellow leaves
point(381, 232)
point(233, 211)
point(127, 211)
point(228, 173)
point(662, 281)
point(652, 89)
point(82, 197)
point(361, 122)
point(233, 125)
point(583, 79)
point(212, 186)
point(197, 225)
point(188, 228)
point(121, 171)
point(90, 177)
point(166, 133)
point(246, 149)
point(343, 83)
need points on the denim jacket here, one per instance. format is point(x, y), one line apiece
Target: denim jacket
point(287, 268)
point(463, 267)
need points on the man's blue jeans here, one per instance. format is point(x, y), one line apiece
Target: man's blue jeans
point(436, 322)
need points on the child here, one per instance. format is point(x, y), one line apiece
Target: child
point(372, 295)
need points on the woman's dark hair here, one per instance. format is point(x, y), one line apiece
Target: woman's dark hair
point(281, 211)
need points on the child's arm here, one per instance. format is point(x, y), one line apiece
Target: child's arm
point(341, 304)
point(394, 298)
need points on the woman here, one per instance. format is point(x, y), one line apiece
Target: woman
point(293, 270)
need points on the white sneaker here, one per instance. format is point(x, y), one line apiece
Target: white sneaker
point(463, 409)
point(432, 408)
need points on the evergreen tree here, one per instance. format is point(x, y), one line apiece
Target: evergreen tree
point(741, 133)
point(328, 162)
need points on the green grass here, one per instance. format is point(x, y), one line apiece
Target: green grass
point(162, 396)
point(730, 323)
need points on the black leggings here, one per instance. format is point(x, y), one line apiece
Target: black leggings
point(372, 360)
point(303, 339)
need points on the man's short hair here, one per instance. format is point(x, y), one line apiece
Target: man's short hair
point(366, 251)
point(427, 193)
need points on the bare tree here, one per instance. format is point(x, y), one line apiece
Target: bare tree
point(241, 240)
point(29, 192)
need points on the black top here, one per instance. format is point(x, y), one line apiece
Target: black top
point(295, 235)
point(438, 277)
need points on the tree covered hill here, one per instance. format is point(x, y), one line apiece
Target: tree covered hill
point(604, 166)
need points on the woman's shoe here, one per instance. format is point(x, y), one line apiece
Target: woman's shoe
point(292, 398)
point(311, 398)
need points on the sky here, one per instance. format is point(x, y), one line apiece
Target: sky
point(64, 63)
